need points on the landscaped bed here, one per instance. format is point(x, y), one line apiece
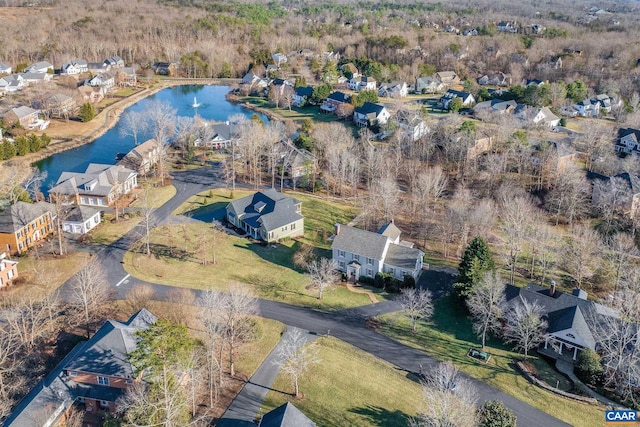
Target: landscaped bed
point(449, 336)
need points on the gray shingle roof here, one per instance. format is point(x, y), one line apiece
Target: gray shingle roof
point(105, 177)
point(20, 214)
point(370, 108)
point(268, 209)
point(402, 257)
point(57, 392)
point(390, 230)
point(81, 213)
point(286, 415)
point(339, 96)
point(361, 242)
point(571, 318)
point(107, 351)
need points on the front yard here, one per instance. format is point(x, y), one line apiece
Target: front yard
point(350, 388)
point(449, 337)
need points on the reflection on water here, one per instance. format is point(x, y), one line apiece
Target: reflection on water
point(213, 106)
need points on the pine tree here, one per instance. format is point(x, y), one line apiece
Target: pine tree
point(476, 261)
point(87, 112)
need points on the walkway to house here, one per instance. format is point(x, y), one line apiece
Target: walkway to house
point(567, 368)
point(244, 409)
point(357, 289)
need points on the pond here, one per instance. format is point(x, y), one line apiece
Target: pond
point(207, 101)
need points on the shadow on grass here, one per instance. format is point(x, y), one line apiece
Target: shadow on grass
point(163, 251)
point(208, 213)
point(377, 416)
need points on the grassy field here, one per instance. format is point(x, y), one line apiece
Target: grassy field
point(350, 388)
point(298, 114)
point(157, 197)
point(41, 276)
point(108, 232)
point(271, 273)
point(449, 337)
point(320, 215)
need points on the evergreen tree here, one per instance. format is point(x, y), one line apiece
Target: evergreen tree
point(476, 261)
point(22, 145)
point(34, 143)
point(495, 414)
point(320, 93)
point(8, 150)
point(87, 112)
point(364, 96)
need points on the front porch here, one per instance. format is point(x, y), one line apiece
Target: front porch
point(560, 349)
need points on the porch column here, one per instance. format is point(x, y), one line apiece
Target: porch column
point(560, 352)
point(546, 341)
point(575, 352)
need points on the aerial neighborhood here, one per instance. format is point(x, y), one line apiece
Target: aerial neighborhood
point(319, 213)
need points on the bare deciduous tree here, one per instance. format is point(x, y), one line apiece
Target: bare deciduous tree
point(239, 305)
point(525, 326)
point(323, 273)
point(89, 292)
point(297, 356)
point(417, 305)
point(134, 124)
point(449, 399)
point(211, 315)
point(580, 253)
point(485, 305)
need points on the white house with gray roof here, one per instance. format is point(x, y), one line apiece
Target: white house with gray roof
point(360, 252)
point(96, 373)
point(267, 215)
point(81, 219)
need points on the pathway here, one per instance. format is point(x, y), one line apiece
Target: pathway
point(244, 409)
point(357, 289)
point(567, 369)
point(347, 325)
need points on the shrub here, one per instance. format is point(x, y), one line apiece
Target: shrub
point(495, 414)
point(366, 280)
point(589, 367)
point(408, 282)
point(378, 280)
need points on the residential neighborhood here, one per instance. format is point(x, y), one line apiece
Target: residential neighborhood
point(299, 214)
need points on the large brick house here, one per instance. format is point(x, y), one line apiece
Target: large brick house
point(93, 376)
point(23, 224)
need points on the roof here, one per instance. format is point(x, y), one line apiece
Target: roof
point(56, 392)
point(390, 230)
point(104, 178)
point(41, 64)
point(369, 108)
point(339, 96)
point(23, 111)
point(107, 350)
point(563, 311)
point(548, 116)
point(304, 91)
point(285, 415)
point(268, 209)
point(81, 213)
point(402, 256)
point(361, 242)
point(456, 94)
point(20, 214)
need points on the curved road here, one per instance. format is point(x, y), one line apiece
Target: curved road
point(348, 325)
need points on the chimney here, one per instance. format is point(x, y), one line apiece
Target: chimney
point(552, 290)
point(337, 229)
point(391, 222)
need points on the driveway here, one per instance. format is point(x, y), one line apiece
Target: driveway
point(347, 325)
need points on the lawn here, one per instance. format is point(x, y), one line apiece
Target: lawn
point(350, 388)
point(271, 273)
point(41, 276)
point(320, 215)
point(308, 112)
point(157, 197)
point(109, 231)
point(449, 337)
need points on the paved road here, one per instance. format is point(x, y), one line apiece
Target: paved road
point(244, 409)
point(348, 325)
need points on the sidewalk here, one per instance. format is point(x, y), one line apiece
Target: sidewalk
point(567, 369)
point(244, 409)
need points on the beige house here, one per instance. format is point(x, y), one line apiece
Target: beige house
point(142, 157)
point(267, 215)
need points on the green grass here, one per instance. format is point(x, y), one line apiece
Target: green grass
point(350, 388)
point(109, 232)
point(449, 337)
point(268, 270)
point(251, 355)
point(298, 114)
point(320, 215)
point(157, 197)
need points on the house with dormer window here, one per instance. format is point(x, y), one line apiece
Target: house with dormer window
point(361, 253)
point(267, 215)
point(99, 185)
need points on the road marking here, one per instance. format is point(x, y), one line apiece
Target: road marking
point(125, 278)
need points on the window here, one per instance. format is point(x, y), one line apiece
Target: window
point(571, 336)
point(80, 399)
point(103, 380)
point(293, 226)
point(369, 272)
point(73, 373)
point(341, 254)
point(284, 228)
point(356, 257)
point(341, 264)
point(10, 274)
point(369, 261)
point(83, 200)
point(104, 403)
point(391, 270)
point(129, 382)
